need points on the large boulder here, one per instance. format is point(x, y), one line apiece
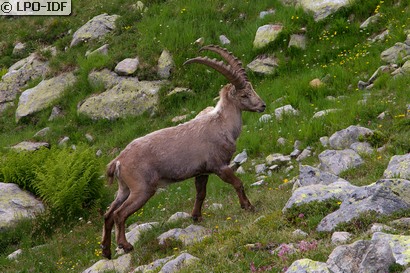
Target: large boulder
point(343, 139)
point(189, 235)
point(339, 190)
point(335, 161)
point(266, 34)
point(361, 256)
point(125, 96)
point(395, 53)
point(320, 8)
point(179, 262)
point(383, 197)
point(309, 175)
point(41, 96)
point(16, 204)
point(97, 27)
point(265, 65)
point(121, 265)
point(19, 74)
point(399, 244)
point(399, 167)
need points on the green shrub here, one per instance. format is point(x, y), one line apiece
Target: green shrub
point(67, 180)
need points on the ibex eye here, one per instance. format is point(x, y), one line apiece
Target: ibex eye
point(244, 96)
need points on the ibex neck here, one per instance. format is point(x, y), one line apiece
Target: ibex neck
point(230, 114)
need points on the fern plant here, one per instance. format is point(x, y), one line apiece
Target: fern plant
point(69, 181)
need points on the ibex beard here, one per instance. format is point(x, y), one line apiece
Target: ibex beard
point(202, 146)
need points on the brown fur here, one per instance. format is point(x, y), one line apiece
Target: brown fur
point(197, 148)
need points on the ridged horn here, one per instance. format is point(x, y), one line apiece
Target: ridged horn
point(233, 61)
point(222, 68)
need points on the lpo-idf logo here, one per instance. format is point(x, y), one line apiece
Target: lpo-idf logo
point(35, 7)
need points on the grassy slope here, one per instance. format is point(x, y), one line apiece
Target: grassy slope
point(336, 47)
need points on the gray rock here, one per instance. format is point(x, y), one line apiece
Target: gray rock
point(377, 227)
point(264, 13)
point(277, 159)
point(381, 37)
point(324, 141)
point(120, 265)
point(307, 266)
point(41, 96)
point(106, 77)
point(178, 216)
point(260, 168)
point(179, 262)
point(97, 27)
point(285, 110)
point(152, 266)
point(16, 204)
point(304, 154)
point(127, 66)
point(339, 190)
point(281, 141)
point(298, 41)
point(395, 53)
point(19, 48)
point(402, 222)
point(371, 20)
point(320, 8)
point(43, 132)
point(126, 96)
point(335, 162)
point(64, 141)
point(400, 245)
point(188, 236)
point(215, 206)
point(6, 105)
point(258, 183)
point(103, 50)
point(265, 65)
point(344, 138)
point(324, 113)
point(30, 146)
point(383, 197)
point(89, 137)
point(309, 175)
point(180, 90)
point(265, 118)
point(19, 74)
point(362, 148)
point(340, 237)
point(295, 153)
point(165, 64)
point(224, 40)
point(266, 34)
point(135, 230)
point(55, 113)
point(361, 256)
point(299, 233)
point(15, 254)
point(399, 167)
point(241, 158)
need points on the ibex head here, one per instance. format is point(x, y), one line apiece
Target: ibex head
point(243, 93)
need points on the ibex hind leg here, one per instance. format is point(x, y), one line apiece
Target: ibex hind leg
point(200, 185)
point(134, 202)
point(122, 195)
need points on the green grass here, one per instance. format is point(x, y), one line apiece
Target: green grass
point(337, 52)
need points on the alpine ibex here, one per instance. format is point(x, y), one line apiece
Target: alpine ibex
point(196, 148)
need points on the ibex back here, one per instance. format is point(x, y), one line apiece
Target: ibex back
point(197, 148)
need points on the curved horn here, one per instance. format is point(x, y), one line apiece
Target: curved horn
point(222, 68)
point(233, 61)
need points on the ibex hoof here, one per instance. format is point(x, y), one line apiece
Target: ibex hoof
point(125, 247)
point(196, 218)
point(106, 252)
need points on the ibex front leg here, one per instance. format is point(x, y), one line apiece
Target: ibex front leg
point(227, 175)
point(200, 185)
